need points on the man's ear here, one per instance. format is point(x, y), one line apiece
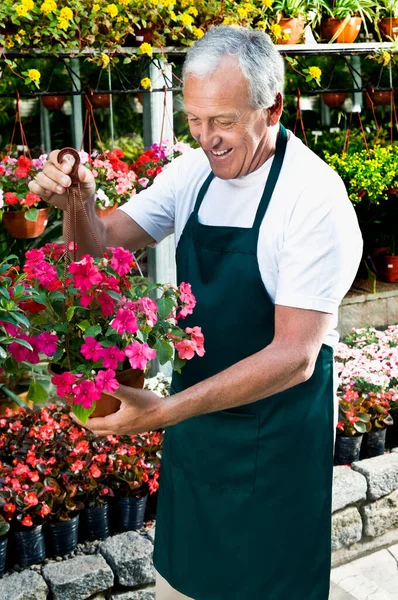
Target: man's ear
point(275, 111)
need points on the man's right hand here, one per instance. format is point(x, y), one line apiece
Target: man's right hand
point(52, 182)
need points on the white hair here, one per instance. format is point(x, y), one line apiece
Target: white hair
point(259, 60)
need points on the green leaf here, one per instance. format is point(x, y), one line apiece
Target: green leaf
point(83, 413)
point(20, 319)
point(32, 214)
point(127, 60)
point(83, 325)
point(165, 307)
point(36, 392)
point(3, 353)
point(113, 294)
point(178, 363)
point(70, 312)
point(23, 343)
point(364, 417)
point(360, 427)
point(164, 351)
point(93, 331)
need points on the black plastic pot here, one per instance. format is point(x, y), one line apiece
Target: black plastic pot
point(392, 432)
point(28, 546)
point(62, 537)
point(374, 443)
point(3, 554)
point(94, 523)
point(347, 449)
point(128, 513)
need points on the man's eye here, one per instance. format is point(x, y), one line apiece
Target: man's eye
point(225, 123)
point(193, 120)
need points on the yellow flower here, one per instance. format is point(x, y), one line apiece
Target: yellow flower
point(193, 11)
point(285, 36)
point(22, 32)
point(314, 72)
point(198, 33)
point(63, 23)
point(125, 20)
point(8, 43)
point(267, 3)
point(29, 4)
point(146, 49)
point(276, 30)
point(385, 57)
point(96, 7)
point(119, 19)
point(185, 3)
point(48, 7)
point(249, 7)
point(17, 38)
point(242, 12)
point(186, 19)
point(173, 16)
point(34, 74)
point(104, 60)
point(66, 13)
point(112, 10)
point(228, 21)
point(145, 83)
point(21, 10)
point(261, 25)
point(124, 2)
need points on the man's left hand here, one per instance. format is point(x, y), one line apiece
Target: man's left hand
point(140, 410)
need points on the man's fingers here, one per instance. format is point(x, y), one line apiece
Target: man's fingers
point(123, 392)
point(47, 183)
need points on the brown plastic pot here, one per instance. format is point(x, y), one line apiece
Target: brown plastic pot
point(99, 100)
point(348, 34)
point(53, 102)
point(334, 99)
point(108, 404)
point(21, 228)
point(388, 268)
point(103, 212)
point(294, 28)
point(382, 98)
point(389, 28)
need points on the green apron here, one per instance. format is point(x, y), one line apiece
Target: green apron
point(244, 507)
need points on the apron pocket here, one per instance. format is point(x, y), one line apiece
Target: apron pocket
point(219, 449)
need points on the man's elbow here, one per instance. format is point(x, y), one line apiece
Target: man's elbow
point(307, 368)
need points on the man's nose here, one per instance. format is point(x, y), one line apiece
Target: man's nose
point(208, 139)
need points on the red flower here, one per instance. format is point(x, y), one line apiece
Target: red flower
point(31, 499)
point(78, 465)
point(95, 471)
point(10, 198)
point(45, 510)
point(31, 199)
point(27, 521)
point(9, 508)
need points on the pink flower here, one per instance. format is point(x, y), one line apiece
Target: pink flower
point(149, 308)
point(122, 260)
point(86, 274)
point(124, 321)
point(186, 349)
point(143, 181)
point(112, 356)
point(63, 383)
point(18, 352)
point(27, 521)
point(91, 349)
point(139, 354)
point(188, 300)
point(86, 299)
point(86, 393)
point(105, 380)
point(197, 338)
point(47, 343)
point(107, 304)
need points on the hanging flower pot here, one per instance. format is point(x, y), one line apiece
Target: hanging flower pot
point(103, 212)
point(29, 546)
point(61, 537)
point(388, 268)
point(379, 98)
point(3, 554)
point(347, 449)
point(100, 100)
point(334, 99)
point(20, 227)
point(53, 102)
point(129, 513)
point(94, 523)
point(342, 31)
point(373, 443)
point(389, 28)
point(292, 30)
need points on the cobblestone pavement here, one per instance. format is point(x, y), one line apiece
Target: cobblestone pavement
point(373, 577)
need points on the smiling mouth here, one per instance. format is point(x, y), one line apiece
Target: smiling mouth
point(219, 153)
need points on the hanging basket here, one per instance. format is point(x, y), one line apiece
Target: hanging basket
point(382, 98)
point(100, 100)
point(53, 102)
point(334, 99)
point(21, 228)
point(347, 31)
point(294, 28)
point(389, 28)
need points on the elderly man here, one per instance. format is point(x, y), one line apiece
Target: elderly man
point(269, 241)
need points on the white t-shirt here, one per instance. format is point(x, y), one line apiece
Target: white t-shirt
point(310, 243)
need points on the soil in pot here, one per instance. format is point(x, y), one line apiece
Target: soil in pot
point(3, 554)
point(334, 99)
point(27, 547)
point(53, 102)
point(373, 443)
point(21, 228)
point(347, 32)
point(347, 449)
point(294, 28)
point(128, 513)
point(94, 523)
point(62, 536)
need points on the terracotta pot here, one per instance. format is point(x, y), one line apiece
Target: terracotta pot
point(53, 102)
point(389, 28)
point(382, 98)
point(108, 404)
point(21, 228)
point(388, 268)
point(334, 99)
point(347, 35)
point(105, 211)
point(100, 100)
point(293, 27)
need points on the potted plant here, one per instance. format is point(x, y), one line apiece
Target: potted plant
point(23, 213)
point(386, 21)
point(98, 319)
point(377, 406)
point(4, 529)
point(341, 20)
point(353, 423)
point(291, 18)
point(53, 102)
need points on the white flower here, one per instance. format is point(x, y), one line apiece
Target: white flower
point(1, 199)
point(100, 194)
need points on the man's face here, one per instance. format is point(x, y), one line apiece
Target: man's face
point(236, 138)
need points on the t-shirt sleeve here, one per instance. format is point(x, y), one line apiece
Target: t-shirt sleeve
point(154, 208)
point(321, 251)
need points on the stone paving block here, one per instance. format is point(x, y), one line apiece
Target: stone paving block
point(348, 487)
point(27, 585)
point(346, 527)
point(337, 593)
point(381, 515)
point(78, 578)
point(146, 594)
point(381, 473)
point(130, 557)
point(151, 532)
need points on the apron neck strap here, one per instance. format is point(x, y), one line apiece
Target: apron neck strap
point(202, 192)
point(272, 177)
